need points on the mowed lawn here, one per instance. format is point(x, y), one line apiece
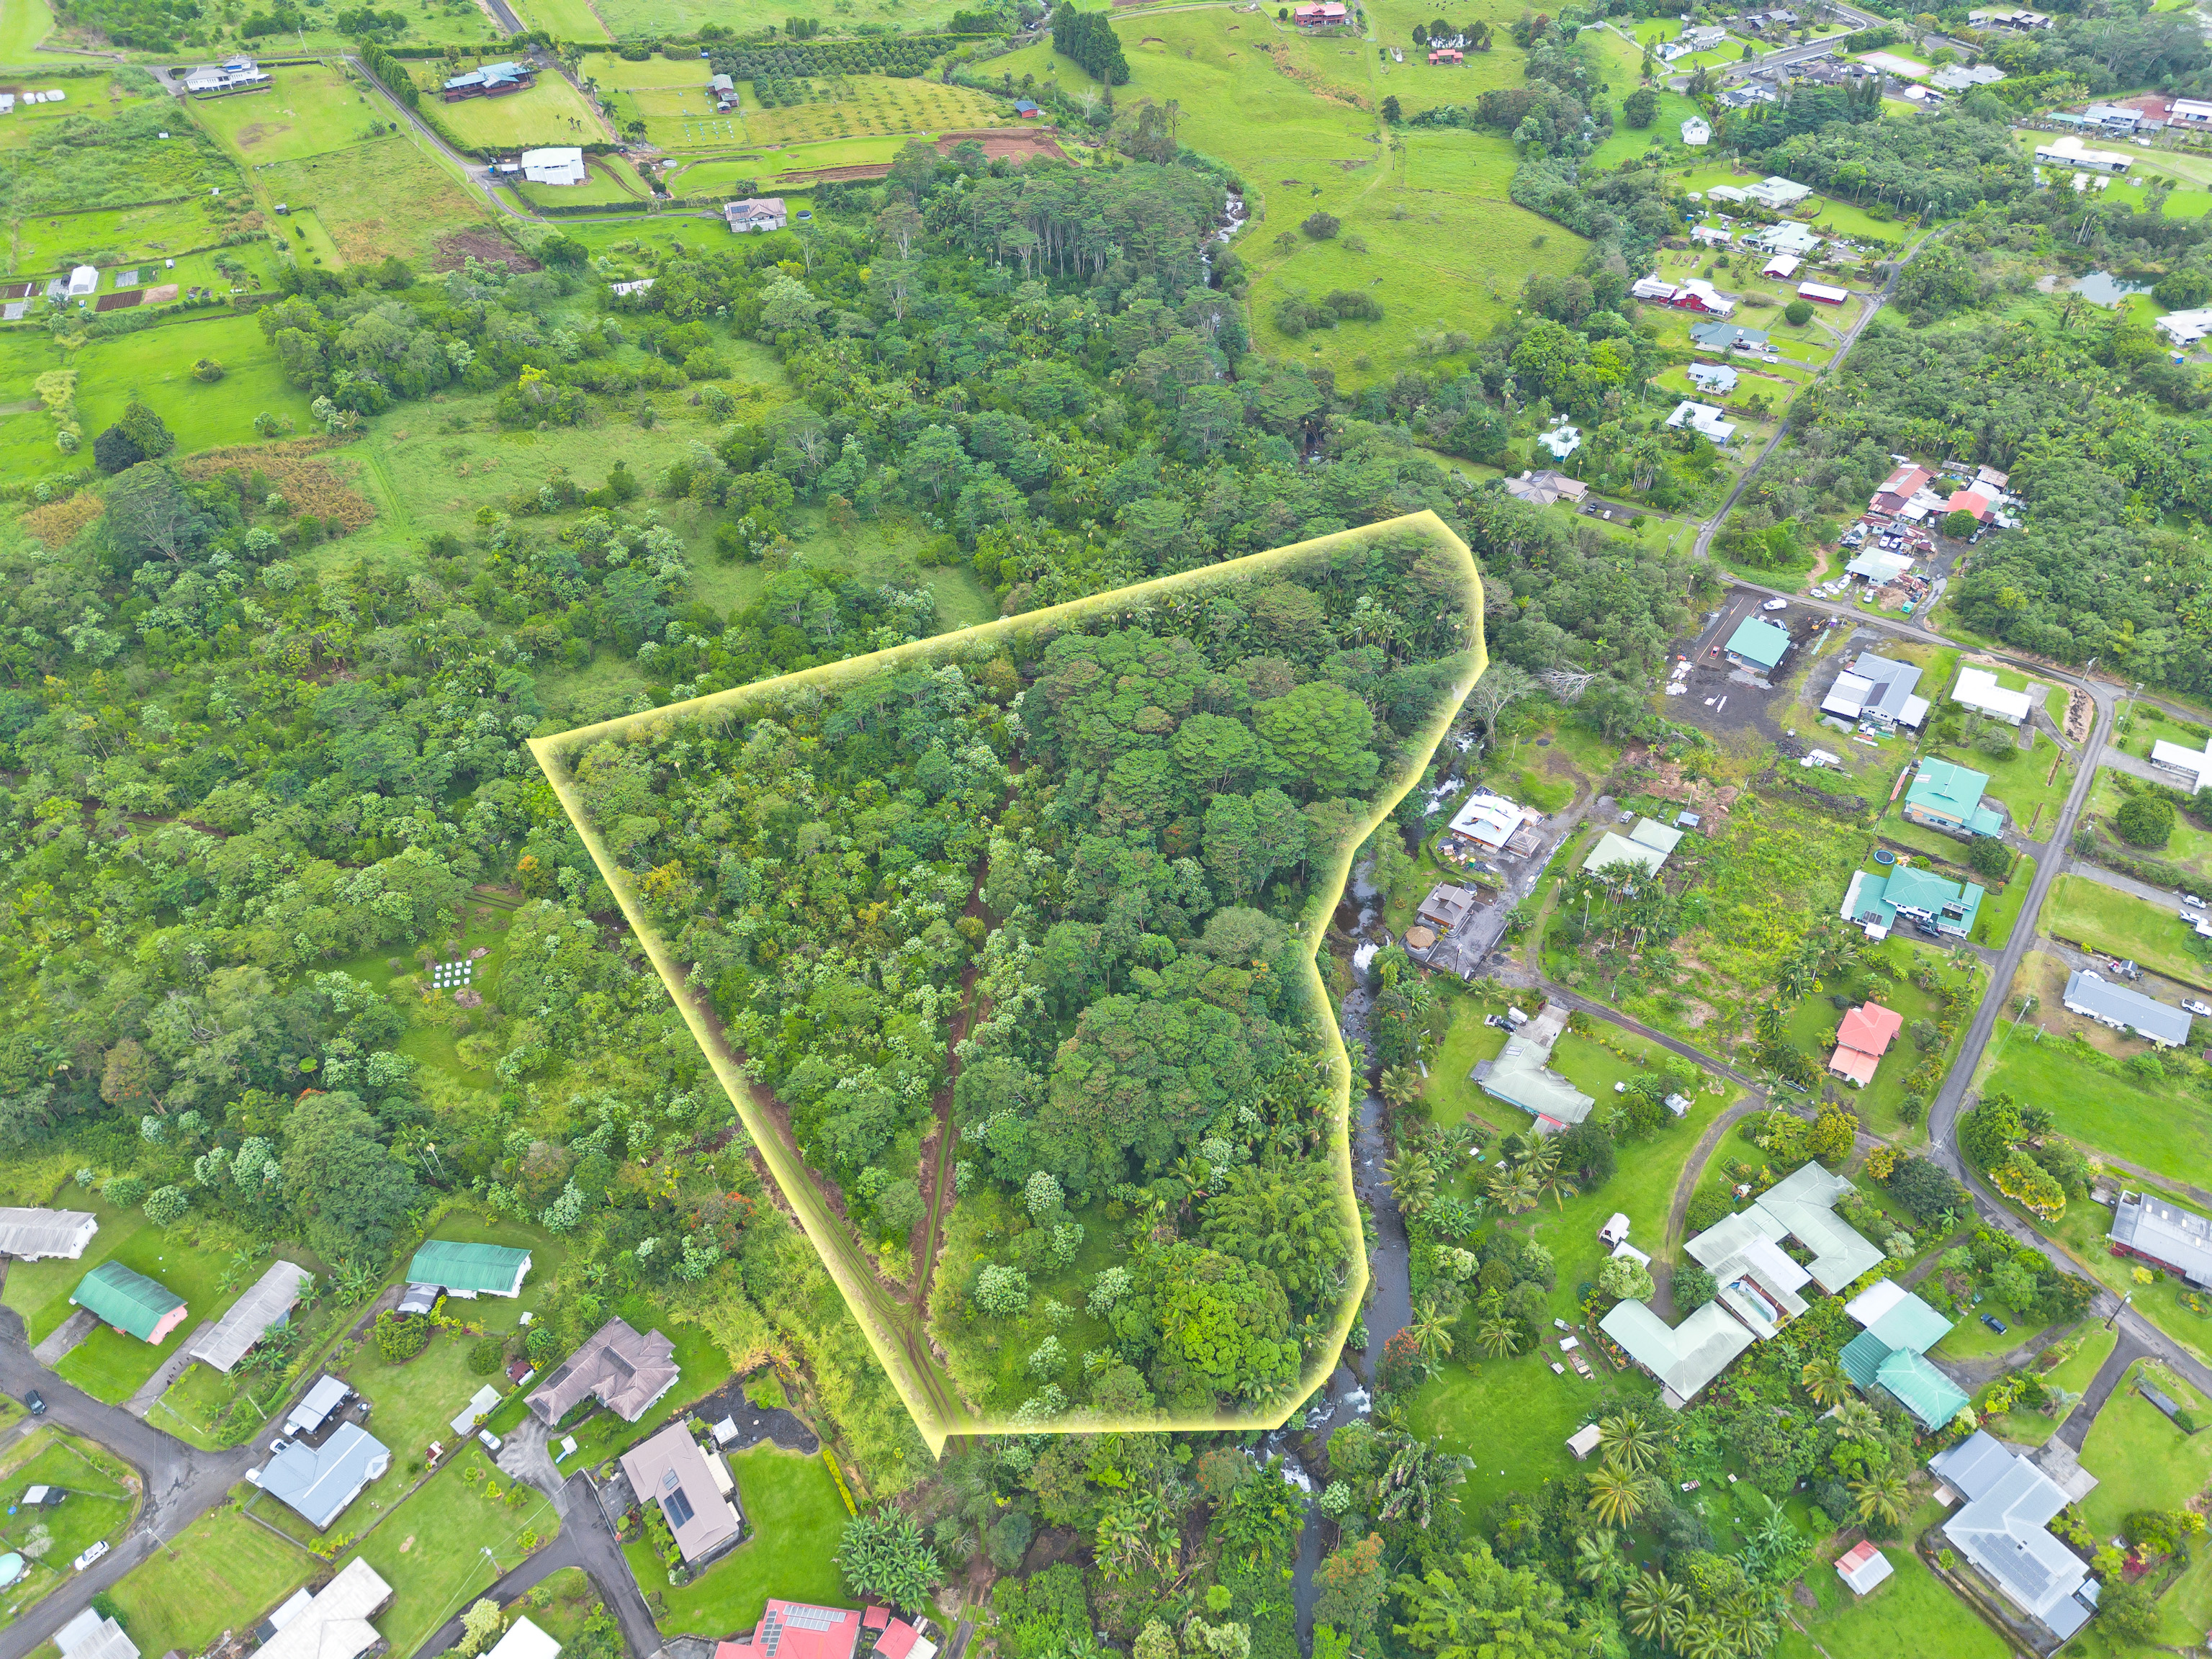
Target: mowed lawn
point(156, 365)
point(2074, 1374)
point(2087, 913)
point(1912, 1612)
point(450, 1540)
point(107, 1364)
point(2166, 1127)
point(564, 20)
point(2140, 1460)
point(312, 108)
point(797, 1518)
point(223, 1573)
point(550, 113)
point(111, 236)
point(102, 1498)
point(386, 196)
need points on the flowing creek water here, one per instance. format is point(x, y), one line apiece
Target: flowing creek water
point(1390, 1300)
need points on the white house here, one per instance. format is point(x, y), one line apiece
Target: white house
point(1562, 440)
point(1978, 688)
point(2190, 769)
point(1704, 419)
point(1696, 133)
point(2190, 112)
point(2184, 327)
point(2071, 152)
point(83, 281)
point(1777, 193)
point(755, 213)
point(554, 167)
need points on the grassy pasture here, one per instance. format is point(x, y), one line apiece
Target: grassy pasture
point(1446, 248)
point(27, 122)
point(630, 18)
point(608, 181)
point(23, 24)
point(311, 109)
point(682, 116)
point(157, 365)
point(550, 113)
point(564, 20)
point(612, 70)
point(2160, 1124)
point(223, 1573)
point(383, 197)
point(106, 236)
point(2102, 918)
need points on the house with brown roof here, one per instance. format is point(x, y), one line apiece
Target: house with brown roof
point(625, 1371)
point(671, 1470)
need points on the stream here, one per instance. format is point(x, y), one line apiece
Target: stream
point(1389, 1301)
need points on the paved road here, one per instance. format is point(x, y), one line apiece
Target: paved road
point(2166, 897)
point(182, 1483)
point(583, 1532)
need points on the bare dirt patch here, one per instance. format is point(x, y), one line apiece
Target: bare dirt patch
point(1017, 143)
point(488, 247)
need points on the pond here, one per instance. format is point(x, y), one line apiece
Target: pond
point(2101, 288)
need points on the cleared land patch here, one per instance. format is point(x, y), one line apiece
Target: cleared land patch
point(377, 199)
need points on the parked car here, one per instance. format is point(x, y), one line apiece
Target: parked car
point(2192, 900)
point(280, 1446)
point(91, 1555)
point(491, 1441)
point(37, 1403)
point(1775, 604)
point(1994, 1323)
point(2192, 1005)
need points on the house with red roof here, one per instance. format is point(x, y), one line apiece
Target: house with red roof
point(1969, 500)
point(1319, 12)
point(794, 1630)
point(1862, 1040)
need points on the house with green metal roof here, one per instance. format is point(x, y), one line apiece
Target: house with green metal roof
point(469, 1270)
point(1891, 1352)
point(131, 1302)
point(1915, 898)
point(1949, 796)
point(1757, 645)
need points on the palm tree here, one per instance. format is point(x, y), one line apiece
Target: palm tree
point(1600, 1563)
point(1412, 1180)
point(1513, 1191)
point(1629, 1441)
point(1431, 1331)
point(1856, 1420)
point(1879, 1497)
point(1960, 955)
point(1707, 1637)
point(1825, 1380)
point(1616, 1498)
point(1773, 1024)
point(1655, 1607)
point(1499, 1338)
point(1401, 1085)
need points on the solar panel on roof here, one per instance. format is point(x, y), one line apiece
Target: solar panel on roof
point(814, 1618)
point(677, 1508)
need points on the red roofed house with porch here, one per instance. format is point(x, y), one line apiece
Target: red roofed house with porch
point(792, 1629)
point(1900, 487)
point(1969, 500)
point(1318, 12)
point(1861, 1042)
point(1446, 55)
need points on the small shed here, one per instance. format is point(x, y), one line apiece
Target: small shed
point(1584, 1440)
point(1615, 1230)
point(1862, 1567)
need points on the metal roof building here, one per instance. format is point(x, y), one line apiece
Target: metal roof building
point(1977, 689)
point(2151, 1230)
point(320, 1481)
point(671, 1470)
point(1801, 1206)
point(1684, 1358)
point(524, 1640)
point(131, 1302)
point(90, 1636)
point(335, 1623)
point(1758, 644)
point(2003, 1530)
point(326, 1397)
point(34, 1235)
point(1521, 1075)
point(469, 1270)
point(2125, 1010)
point(267, 1304)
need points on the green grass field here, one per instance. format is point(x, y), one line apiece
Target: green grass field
point(609, 181)
point(156, 365)
point(445, 1544)
point(797, 1518)
point(2166, 1127)
point(23, 24)
point(1446, 249)
point(611, 69)
point(223, 1573)
point(631, 19)
point(2087, 913)
point(550, 113)
point(1993, 925)
point(564, 20)
point(102, 1498)
point(2189, 847)
point(311, 109)
point(2073, 1374)
point(2140, 1460)
point(1912, 1612)
point(386, 196)
point(110, 236)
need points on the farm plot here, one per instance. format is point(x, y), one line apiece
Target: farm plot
point(629, 19)
point(378, 199)
point(550, 113)
point(81, 161)
point(310, 110)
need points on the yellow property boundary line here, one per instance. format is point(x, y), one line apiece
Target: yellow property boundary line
point(897, 1334)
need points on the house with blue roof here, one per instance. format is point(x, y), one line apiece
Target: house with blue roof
point(1919, 899)
point(1949, 796)
point(1891, 1352)
point(489, 81)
